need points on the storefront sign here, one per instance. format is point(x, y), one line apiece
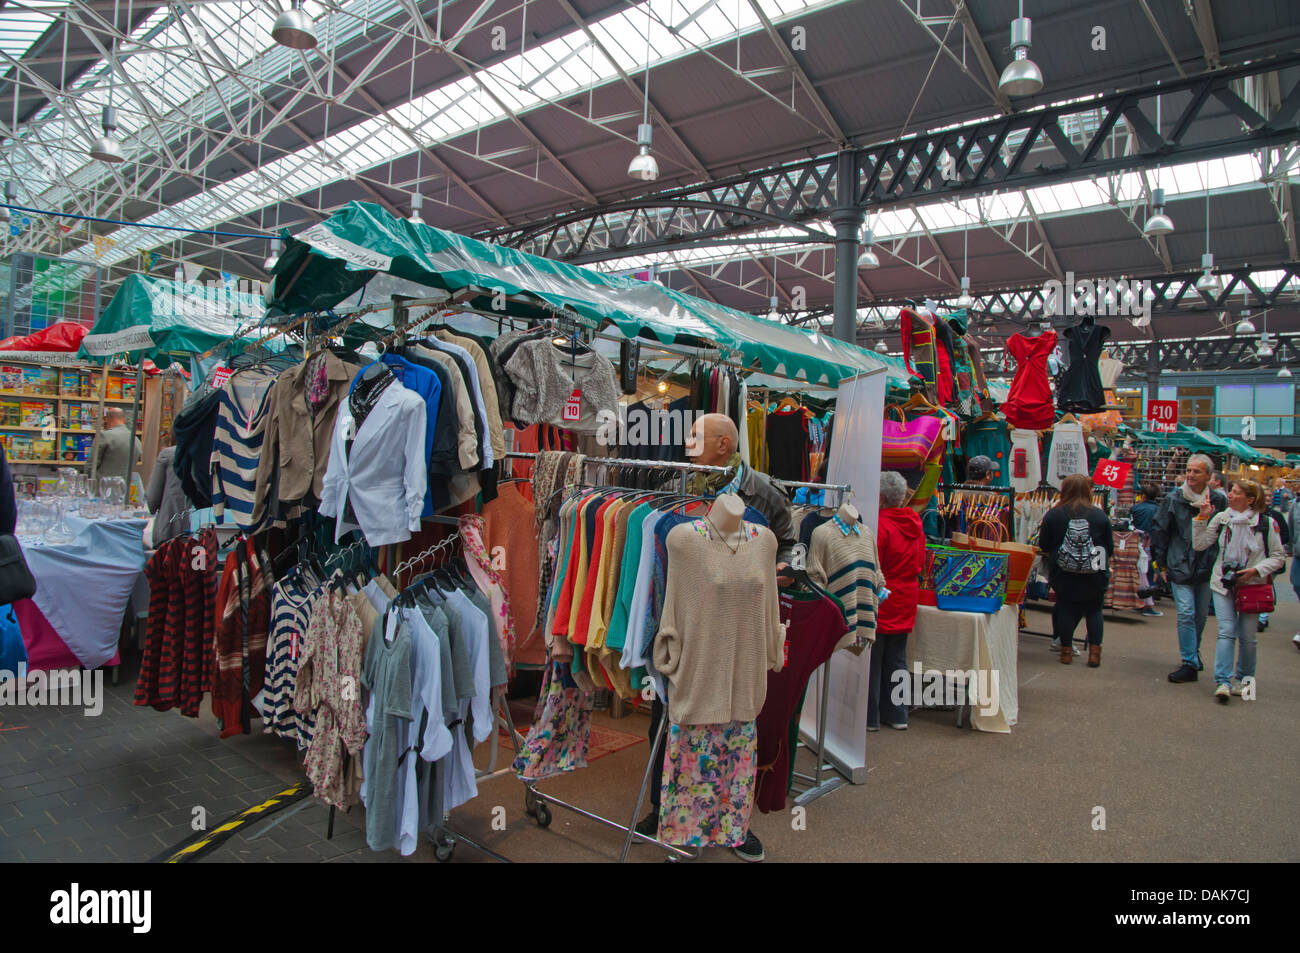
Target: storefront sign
point(1113, 473)
point(135, 338)
point(1163, 415)
point(323, 240)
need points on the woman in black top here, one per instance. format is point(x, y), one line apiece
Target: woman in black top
point(1076, 540)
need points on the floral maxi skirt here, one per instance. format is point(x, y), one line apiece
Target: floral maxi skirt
point(709, 781)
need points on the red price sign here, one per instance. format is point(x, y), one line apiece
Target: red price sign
point(1114, 473)
point(1163, 415)
point(220, 376)
point(573, 406)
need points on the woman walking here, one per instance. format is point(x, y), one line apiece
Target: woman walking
point(1250, 554)
point(900, 552)
point(1077, 543)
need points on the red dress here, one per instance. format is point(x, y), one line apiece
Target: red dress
point(1029, 407)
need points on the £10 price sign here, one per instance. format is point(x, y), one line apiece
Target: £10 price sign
point(1163, 415)
point(1112, 473)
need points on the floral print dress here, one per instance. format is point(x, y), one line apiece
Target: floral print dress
point(710, 775)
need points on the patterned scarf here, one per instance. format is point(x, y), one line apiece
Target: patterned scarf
point(552, 471)
point(714, 484)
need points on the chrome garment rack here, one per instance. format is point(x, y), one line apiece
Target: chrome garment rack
point(536, 802)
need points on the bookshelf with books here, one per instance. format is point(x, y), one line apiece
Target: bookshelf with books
point(49, 415)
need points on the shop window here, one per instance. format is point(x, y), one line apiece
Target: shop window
point(1274, 410)
point(1235, 402)
point(1196, 407)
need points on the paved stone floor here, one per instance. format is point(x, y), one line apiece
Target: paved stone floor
point(1181, 778)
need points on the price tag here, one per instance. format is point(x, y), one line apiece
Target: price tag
point(573, 406)
point(1163, 415)
point(1112, 473)
point(220, 376)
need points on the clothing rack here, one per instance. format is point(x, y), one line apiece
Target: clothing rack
point(535, 802)
point(1007, 491)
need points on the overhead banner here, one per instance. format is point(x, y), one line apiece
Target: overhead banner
point(134, 338)
point(40, 357)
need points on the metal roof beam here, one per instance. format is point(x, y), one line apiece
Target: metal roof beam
point(810, 90)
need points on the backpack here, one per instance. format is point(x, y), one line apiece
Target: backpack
point(1075, 552)
point(1283, 530)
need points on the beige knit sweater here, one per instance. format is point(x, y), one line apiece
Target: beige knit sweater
point(720, 630)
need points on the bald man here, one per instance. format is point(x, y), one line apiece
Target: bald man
point(108, 452)
point(713, 442)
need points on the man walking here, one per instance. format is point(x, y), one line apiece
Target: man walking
point(1189, 570)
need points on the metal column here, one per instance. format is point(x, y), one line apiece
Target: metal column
point(847, 219)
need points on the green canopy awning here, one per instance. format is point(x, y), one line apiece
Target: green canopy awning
point(150, 317)
point(331, 261)
point(1244, 451)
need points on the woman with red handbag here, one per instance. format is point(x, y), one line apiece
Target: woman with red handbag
point(1250, 554)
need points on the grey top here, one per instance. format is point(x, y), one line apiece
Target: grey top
point(108, 452)
point(544, 377)
point(386, 672)
point(166, 498)
point(496, 658)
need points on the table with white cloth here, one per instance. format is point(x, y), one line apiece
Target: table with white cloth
point(83, 588)
point(985, 643)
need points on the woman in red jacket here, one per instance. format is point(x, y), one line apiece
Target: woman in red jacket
point(900, 550)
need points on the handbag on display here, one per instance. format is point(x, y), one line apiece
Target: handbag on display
point(1254, 598)
point(924, 491)
point(16, 580)
point(967, 580)
point(990, 535)
point(910, 444)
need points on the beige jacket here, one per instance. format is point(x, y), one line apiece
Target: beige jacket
point(466, 431)
point(297, 441)
point(487, 384)
point(1268, 562)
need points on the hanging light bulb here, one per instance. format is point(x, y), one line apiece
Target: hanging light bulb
point(295, 28)
point(1284, 371)
point(663, 387)
point(1022, 77)
point(1264, 350)
point(964, 300)
point(1245, 325)
point(417, 204)
point(882, 347)
point(1208, 283)
point(273, 259)
point(1159, 223)
point(106, 148)
point(643, 165)
point(11, 198)
point(867, 259)
point(772, 313)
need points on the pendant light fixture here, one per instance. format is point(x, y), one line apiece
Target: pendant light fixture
point(1208, 283)
point(106, 148)
point(1245, 325)
point(643, 165)
point(273, 259)
point(1159, 223)
point(1283, 357)
point(295, 28)
point(11, 198)
point(1264, 350)
point(772, 313)
point(417, 205)
point(867, 259)
point(1022, 77)
point(964, 300)
point(882, 347)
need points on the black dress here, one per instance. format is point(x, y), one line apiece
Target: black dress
point(1080, 390)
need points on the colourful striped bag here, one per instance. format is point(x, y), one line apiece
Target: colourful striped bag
point(909, 444)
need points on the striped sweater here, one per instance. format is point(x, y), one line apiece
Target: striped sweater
point(847, 567)
point(237, 446)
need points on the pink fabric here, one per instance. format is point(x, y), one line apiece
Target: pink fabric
point(46, 650)
point(489, 582)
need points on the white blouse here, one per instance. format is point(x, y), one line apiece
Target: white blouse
point(385, 475)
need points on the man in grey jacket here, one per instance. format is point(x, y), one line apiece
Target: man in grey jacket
point(1189, 570)
point(109, 450)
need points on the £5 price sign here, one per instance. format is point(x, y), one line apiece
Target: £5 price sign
point(1112, 473)
point(1163, 415)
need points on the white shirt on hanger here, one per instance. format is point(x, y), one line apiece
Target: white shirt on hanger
point(385, 473)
